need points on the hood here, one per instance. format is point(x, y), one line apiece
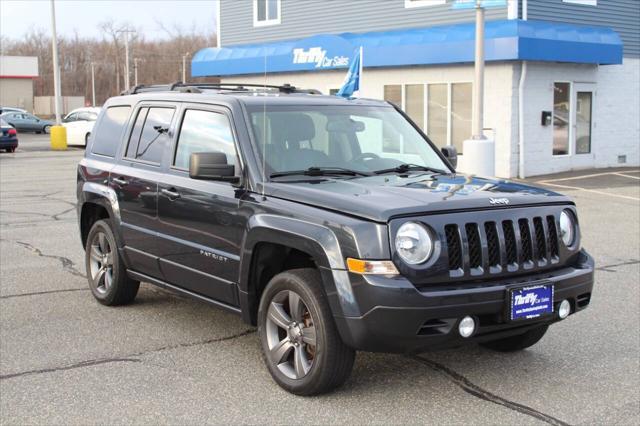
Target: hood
point(380, 198)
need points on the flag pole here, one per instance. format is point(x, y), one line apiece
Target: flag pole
point(360, 71)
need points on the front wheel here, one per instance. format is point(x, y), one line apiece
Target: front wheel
point(106, 273)
point(519, 342)
point(301, 345)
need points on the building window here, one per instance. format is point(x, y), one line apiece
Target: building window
point(584, 111)
point(438, 113)
point(561, 118)
point(421, 3)
point(582, 2)
point(442, 110)
point(460, 114)
point(266, 12)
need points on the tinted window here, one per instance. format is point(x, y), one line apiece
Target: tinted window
point(71, 117)
point(155, 135)
point(107, 136)
point(132, 148)
point(204, 131)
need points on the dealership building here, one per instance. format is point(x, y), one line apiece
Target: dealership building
point(16, 81)
point(562, 78)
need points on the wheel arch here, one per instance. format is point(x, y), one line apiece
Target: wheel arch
point(296, 238)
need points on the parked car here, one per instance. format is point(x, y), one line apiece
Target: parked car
point(11, 109)
point(8, 137)
point(79, 124)
point(25, 122)
point(285, 208)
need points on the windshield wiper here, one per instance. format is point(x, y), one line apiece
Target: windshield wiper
point(403, 168)
point(320, 171)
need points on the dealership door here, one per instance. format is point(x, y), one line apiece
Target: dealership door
point(583, 98)
point(573, 118)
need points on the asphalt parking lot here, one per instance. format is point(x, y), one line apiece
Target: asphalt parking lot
point(65, 359)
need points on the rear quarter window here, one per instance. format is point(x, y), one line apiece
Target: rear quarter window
point(108, 134)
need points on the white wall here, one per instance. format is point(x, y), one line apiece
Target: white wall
point(616, 115)
point(19, 66)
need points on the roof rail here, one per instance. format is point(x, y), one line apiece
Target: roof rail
point(233, 87)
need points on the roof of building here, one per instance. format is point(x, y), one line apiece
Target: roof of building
point(506, 40)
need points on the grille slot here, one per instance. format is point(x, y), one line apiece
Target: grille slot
point(553, 236)
point(541, 241)
point(493, 243)
point(475, 250)
point(510, 241)
point(454, 246)
point(525, 237)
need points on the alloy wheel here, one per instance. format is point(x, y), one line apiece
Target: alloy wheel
point(291, 335)
point(101, 262)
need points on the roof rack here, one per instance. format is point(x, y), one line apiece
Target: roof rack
point(223, 87)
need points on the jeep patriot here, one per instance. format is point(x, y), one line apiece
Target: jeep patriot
point(333, 225)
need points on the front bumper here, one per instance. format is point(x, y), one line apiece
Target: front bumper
point(401, 318)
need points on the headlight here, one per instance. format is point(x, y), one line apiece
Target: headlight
point(567, 228)
point(414, 243)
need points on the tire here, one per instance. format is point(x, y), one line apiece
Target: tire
point(11, 150)
point(86, 139)
point(299, 366)
point(519, 342)
point(46, 129)
point(108, 279)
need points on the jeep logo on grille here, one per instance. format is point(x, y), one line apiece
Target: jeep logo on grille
point(498, 201)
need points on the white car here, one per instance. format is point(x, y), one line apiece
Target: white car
point(79, 124)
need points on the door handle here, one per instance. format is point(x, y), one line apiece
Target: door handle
point(172, 194)
point(120, 181)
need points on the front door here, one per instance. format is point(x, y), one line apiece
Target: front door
point(200, 224)
point(573, 121)
point(135, 181)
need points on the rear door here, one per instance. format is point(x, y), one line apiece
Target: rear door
point(135, 181)
point(200, 224)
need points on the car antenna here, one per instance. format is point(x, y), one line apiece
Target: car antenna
point(264, 129)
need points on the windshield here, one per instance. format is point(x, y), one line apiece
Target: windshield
point(364, 139)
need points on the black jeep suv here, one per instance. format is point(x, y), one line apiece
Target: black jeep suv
point(332, 224)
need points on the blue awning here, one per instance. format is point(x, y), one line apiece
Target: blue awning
point(506, 40)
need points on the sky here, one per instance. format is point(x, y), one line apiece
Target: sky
point(18, 16)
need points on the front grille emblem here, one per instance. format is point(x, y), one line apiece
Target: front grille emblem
point(498, 201)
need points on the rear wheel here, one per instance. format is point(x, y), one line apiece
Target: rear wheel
point(106, 273)
point(301, 345)
point(86, 139)
point(519, 342)
point(46, 129)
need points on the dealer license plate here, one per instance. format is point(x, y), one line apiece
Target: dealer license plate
point(531, 302)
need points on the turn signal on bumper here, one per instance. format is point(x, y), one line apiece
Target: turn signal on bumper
point(371, 267)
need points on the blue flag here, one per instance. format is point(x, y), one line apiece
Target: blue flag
point(351, 82)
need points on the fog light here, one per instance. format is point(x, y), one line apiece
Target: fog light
point(466, 327)
point(565, 309)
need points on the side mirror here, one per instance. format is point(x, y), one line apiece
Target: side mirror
point(211, 166)
point(451, 154)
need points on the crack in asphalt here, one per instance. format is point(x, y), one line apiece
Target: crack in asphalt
point(81, 364)
point(475, 390)
point(606, 267)
point(126, 358)
point(37, 293)
point(67, 264)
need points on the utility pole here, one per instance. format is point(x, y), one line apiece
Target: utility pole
point(135, 71)
point(126, 57)
point(93, 84)
point(478, 84)
point(56, 69)
point(184, 67)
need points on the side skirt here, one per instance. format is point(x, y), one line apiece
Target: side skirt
point(159, 283)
